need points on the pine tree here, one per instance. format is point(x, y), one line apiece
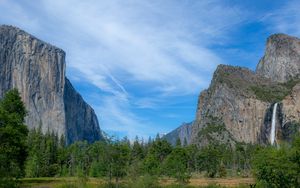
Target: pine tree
point(13, 134)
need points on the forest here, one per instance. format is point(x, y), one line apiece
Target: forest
point(28, 154)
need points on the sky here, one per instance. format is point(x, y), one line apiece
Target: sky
point(141, 64)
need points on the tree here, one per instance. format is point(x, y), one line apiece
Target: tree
point(118, 160)
point(78, 161)
point(32, 164)
point(157, 153)
point(295, 154)
point(176, 165)
point(13, 135)
point(137, 152)
point(278, 167)
point(178, 142)
point(192, 151)
point(99, 154)
point(43, 156)
point(209, 159)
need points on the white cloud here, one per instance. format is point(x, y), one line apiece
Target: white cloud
point(16, 15)
point(285, 19)
point(160, 47)
point(145, 41)
point(115, 117)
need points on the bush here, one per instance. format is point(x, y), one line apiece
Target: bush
point(278, 167)
point(8, 183)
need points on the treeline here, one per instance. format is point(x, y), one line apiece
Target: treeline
point(48, 156)
point(115, 159)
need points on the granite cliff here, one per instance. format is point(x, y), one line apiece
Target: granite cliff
point(239, 103)
point(281, 61)
point(37, 70)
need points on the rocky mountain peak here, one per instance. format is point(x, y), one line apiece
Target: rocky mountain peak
point(224, 72)
point(281, 61)
point(242, 101)
point(37, 70)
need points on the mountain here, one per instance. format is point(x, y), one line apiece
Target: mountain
point(281, 61)
point(183, 133)
point(37, 69)
point(241, 105)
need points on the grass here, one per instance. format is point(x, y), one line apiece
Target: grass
point(64, 182)
point(73, 182)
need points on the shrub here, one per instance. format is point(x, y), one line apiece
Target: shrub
point(278, 167)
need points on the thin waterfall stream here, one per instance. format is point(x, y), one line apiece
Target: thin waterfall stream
point(273, 127)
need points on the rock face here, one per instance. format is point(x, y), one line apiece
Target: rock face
point(230, 98)
point(183, 133)
point(243, 100)
point(37, 70)
point(281, 61)
point(82, 123)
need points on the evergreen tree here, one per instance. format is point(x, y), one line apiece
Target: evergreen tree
point(137, 152)
point(158, 151)
point(119, 160)
point(13, 134)
point(176, 165)
point(178, 142)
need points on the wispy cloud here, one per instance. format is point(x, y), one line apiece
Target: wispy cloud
point(160, 48)
point(144, 41)
point(285, 19)
point(116, 118)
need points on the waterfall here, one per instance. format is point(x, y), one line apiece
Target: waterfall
point(273, 128)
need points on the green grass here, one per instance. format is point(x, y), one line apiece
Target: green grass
point(67, 182)
point(73, 182)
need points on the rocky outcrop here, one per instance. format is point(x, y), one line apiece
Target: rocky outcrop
point(291, 105)
point(37, 70)
point(231, 99)
point(243, 100)
point(214, 131)
point(183, 133)
point(281, 61)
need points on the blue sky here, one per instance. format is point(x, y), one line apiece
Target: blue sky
point(142, 64)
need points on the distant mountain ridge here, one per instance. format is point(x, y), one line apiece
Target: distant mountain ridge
point(37, 70)
point(183, 133)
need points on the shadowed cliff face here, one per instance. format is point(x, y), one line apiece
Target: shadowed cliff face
point(267, 123)
point(81, 121)
point(243, 99)
point(37, 70)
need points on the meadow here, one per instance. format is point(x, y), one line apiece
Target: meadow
point(76, 182)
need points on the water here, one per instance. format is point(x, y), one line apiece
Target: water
point(273, 128)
